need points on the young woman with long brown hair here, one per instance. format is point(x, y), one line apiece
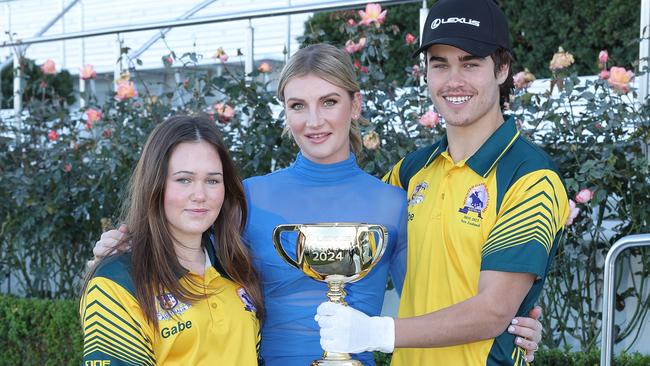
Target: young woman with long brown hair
point(186, 293)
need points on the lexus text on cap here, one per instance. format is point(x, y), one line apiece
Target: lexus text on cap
point(478, 27)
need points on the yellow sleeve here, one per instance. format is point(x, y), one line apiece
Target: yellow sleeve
point(530, 223)
point(115, 330)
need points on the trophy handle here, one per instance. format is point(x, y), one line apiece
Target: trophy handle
point(277, 242)
point(381, 241)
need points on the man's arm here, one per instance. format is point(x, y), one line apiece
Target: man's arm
point(483, 316)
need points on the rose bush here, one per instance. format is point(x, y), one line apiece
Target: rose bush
point(64, 171)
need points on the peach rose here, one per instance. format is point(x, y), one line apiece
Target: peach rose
point(371, 140)
point(620, 79)
point(125, 90)
point(561, 60)
point(87, 72)
point(372, 14)
point(49, 67)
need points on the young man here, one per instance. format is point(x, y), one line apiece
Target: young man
point(486, 212)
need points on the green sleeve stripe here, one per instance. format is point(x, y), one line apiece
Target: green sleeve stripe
point(99, 320)
point(534, 235)
point(111, 347)
point(545, 179)
point(509, 224)
point(517, 219)
point(132, 324)
point(543, 196)
point(536, 226)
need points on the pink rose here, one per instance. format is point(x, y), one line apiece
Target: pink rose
point(373, 14)
point(410, 39)
point(584, 196)
point(221, 55)
point(523, 79)
point(168, 60)
point(224, 112)
point(92, 116)
point(604, 74)
point(52, 135)
point(351, 47)
point(429, 119)
point(351, 22)
point(561, 60)
point(620, 79)
point(87, 72)
point(49, 67)
point(371, 140)
point(603, 57)
point(264, 68)
point(67, 168)
point(125, 90)
point(573, 212)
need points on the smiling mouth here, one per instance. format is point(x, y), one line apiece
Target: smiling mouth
point(318, 136)
point(458, 100)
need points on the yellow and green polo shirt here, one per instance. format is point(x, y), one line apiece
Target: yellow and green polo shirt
point(221, 329)
point(502, 209)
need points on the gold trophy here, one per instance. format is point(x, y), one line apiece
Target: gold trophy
point(335, 253)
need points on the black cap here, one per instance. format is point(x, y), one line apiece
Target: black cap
point(478, 27)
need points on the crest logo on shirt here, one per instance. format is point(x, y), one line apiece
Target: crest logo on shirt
point(167, 301)
point(246, 300)
point(476, 200)
point(169, 306)
point(418, 194)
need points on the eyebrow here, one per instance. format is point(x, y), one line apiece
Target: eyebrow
point(320, 98)
point(192, 173)
point(462, 58)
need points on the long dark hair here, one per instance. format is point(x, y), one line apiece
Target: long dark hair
point(154, 261)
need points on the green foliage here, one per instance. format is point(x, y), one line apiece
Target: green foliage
point(581, 27)
point(562, 357)
point(57, 193)
point(47, 332)
point(37, 86)
point(598, 138)
point(537, 29)
point(39, 332)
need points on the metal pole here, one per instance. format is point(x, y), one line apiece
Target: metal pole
point(250, 42)
point(288, 49)
point(644, 51)
point(607, 344)
point(424, 11)
point(18, 86)
point(82, 83)
point(260, 13)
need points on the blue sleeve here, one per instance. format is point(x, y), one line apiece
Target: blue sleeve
point(398, 261)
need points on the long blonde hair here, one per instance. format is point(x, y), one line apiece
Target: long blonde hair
point(332, 65)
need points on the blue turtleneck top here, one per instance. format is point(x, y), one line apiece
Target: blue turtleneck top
point(307, 192)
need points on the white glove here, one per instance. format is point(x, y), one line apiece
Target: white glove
point(344, 329)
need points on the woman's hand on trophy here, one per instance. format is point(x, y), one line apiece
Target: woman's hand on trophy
point(344, 329)
point(528, 331)
point(106, 243)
